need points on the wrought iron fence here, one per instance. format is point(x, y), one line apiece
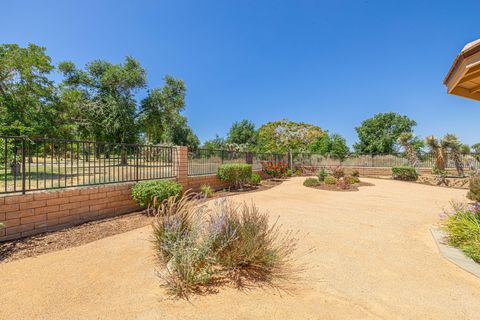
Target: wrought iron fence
point(207, 161)
point(28, 164)
point(425, 160)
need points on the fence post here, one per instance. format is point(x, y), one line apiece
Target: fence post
point(136, 163)
point(182, 177)
point(23, 166)
point(373, 159)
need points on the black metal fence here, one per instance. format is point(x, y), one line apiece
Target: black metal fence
point(425, 160)
point(207, 161)
point(28, 164)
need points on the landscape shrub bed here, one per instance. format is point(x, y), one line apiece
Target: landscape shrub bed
point(236, 242)
point(463, 228)
point(404, 173)
point(235, 174)
point(255, 179)
point(145, 193)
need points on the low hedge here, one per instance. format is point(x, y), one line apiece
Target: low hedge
point(330, 180)
point(144, 192)
point(255, 179)
point(404, 173)
point(235, 174)
point(311, 182)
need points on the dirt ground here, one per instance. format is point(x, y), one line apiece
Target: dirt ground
point(374, 258)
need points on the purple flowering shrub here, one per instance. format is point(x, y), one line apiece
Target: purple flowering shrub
point(463, 228)
point(198, 244)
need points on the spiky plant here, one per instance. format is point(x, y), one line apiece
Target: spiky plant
point(437, 149)
point(405, 140)
point(451, 143)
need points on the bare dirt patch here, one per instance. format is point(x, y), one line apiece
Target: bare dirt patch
point(71, 237)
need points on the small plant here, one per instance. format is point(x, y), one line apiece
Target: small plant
point(338, 172)
point(439, 172)
point(330, 180)
point(255, 179)
point(153, 192)
point(404, 173)
point(355, 173)
point(343, 184)
point(463, 229)
point(275, 169)
point(322, 173)
point(206, 190)
point(311, 182)
point(351, 180)
point(474, 192)
point(235, 174)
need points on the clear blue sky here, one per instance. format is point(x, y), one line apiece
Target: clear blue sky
point(331, 63)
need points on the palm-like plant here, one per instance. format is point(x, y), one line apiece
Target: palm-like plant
point(437, 149)
point(405, 140)
point(451, 143)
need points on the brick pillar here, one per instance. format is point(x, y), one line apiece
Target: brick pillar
point(182, 176)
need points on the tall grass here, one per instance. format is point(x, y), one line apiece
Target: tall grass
point(199, 245)
point(463, 228)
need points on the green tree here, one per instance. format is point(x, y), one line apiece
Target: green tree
point(334, 145)
point(476, 148)
point(380, 133)
point(216, 143)
point(243, 133)
point(102, 98)
point(27, 95)
point(285, 135)
point(161, 118)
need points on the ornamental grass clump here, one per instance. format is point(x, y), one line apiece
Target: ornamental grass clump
point(463, 228)
point(251, 245)
point(200, 246)
point(206, 190)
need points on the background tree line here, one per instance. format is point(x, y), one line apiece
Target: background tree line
point(97, 102)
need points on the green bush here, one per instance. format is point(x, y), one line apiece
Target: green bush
point(145, 193)
point(255, 179)
point(463, 229)
point(311, 182)
point(355, 173)
point(206, 190)
point(351, 180)
point(322, 173)
point(404, 173)
point(474, 193)
point(330, 180)
point(235, 174)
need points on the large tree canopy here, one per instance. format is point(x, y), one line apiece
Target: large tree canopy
point(380, 133)
point(104, 93)
point(27, 96)
point(285, 135)
point(242, 133)
point(334, 145)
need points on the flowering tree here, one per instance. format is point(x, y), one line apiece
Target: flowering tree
point(285, 135)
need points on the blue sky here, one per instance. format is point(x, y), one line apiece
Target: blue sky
point(331, 63)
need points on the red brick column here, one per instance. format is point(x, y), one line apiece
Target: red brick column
point(182, 176)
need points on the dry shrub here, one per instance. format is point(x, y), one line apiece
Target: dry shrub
point(199, 247)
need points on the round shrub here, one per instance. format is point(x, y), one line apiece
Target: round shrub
point(255, 179)
point(311, 182)
point(330, 180)
point(404, 173)
point(235, 174)
point(474, 193)
point(355, 173)
point(351, 180)
point(144, 192)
